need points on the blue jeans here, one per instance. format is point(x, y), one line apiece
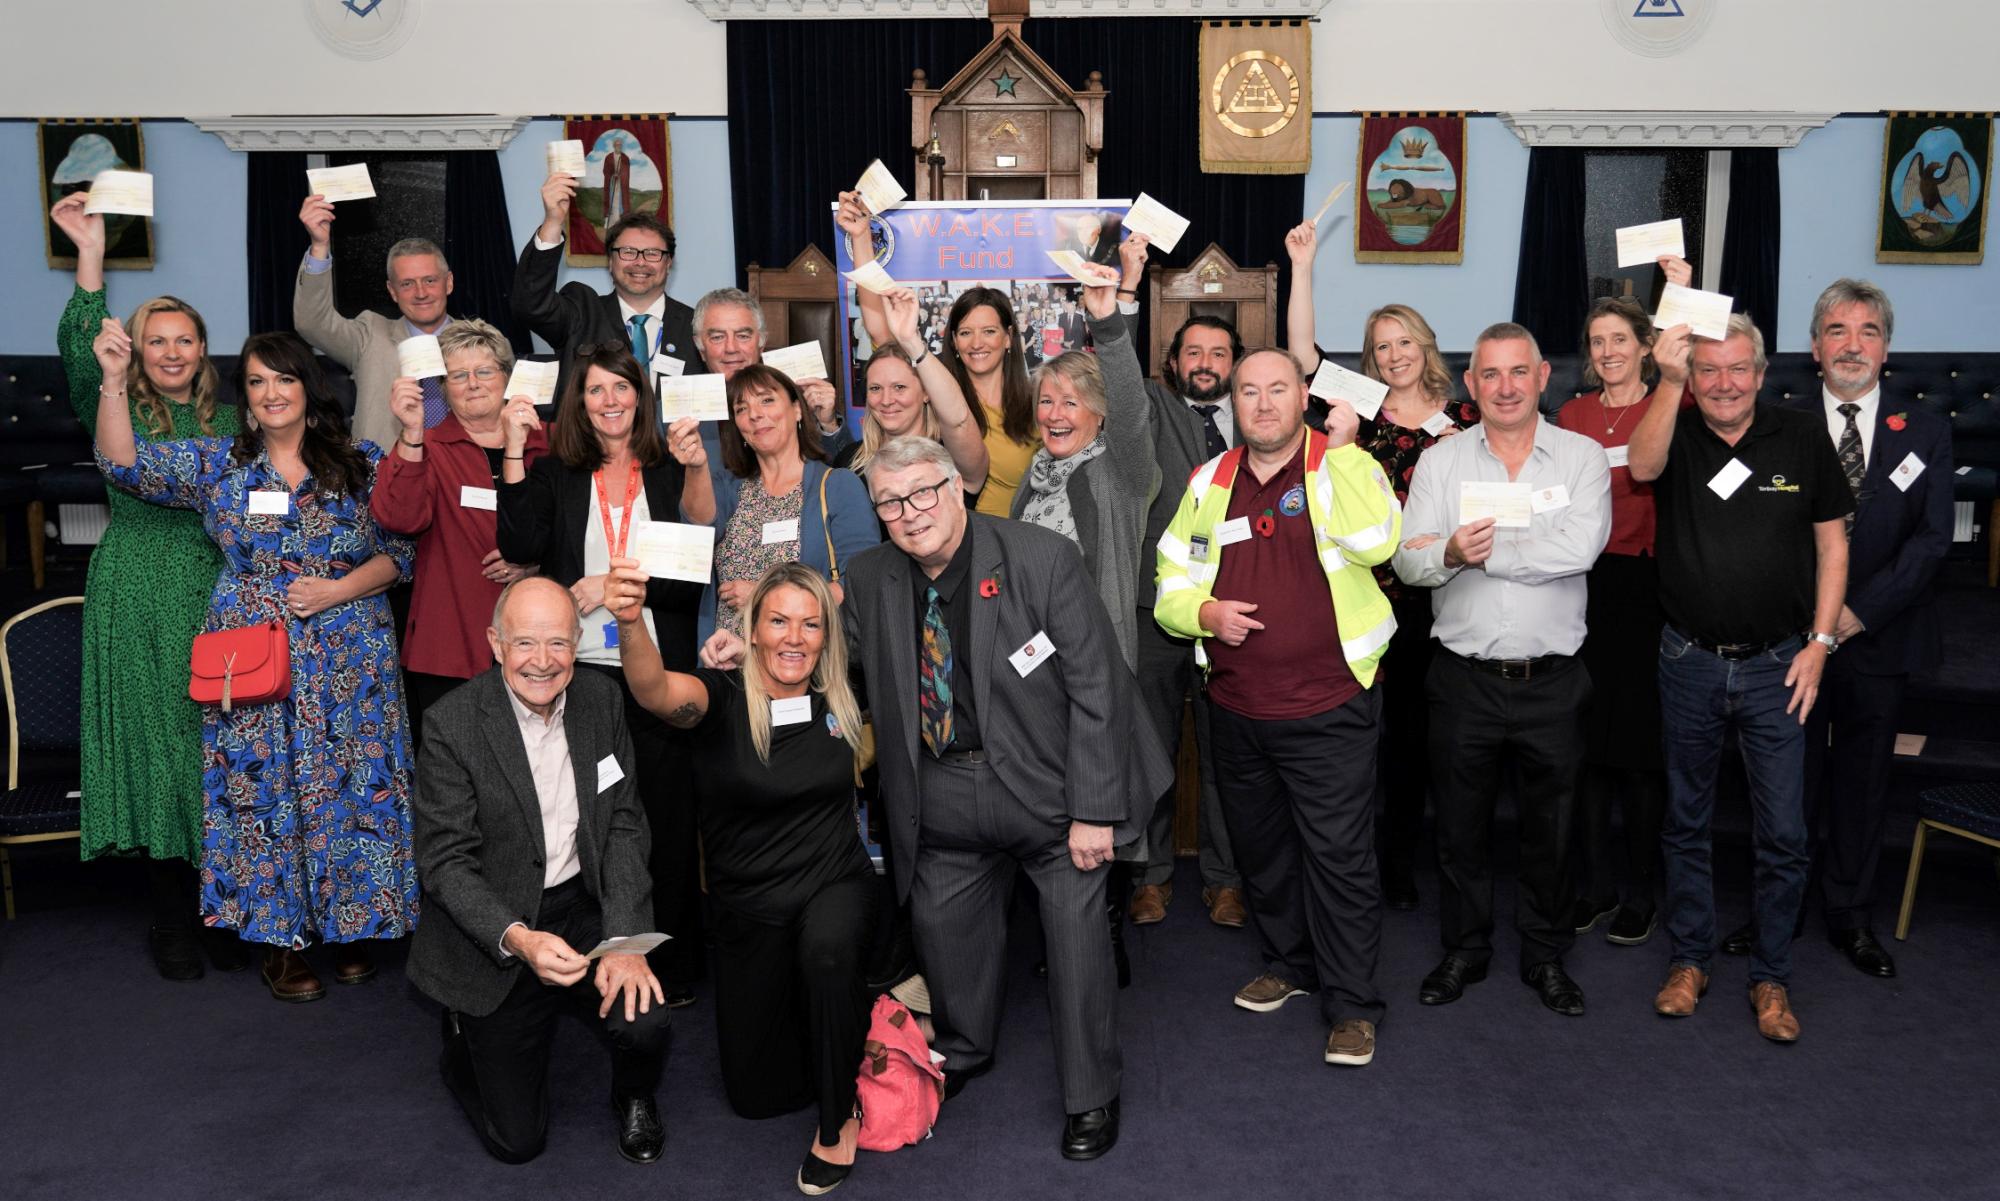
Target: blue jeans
point(1701, 696)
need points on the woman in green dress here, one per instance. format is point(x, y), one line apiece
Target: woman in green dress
point(144, 601)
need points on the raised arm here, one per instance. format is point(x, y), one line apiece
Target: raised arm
point(83, 317)
point(536, 300)
point(697, 486)
point(1646, 456)
point(113, 348)
point(345, 339)
point(853, 221)
point(959, 433)
point(1128, 417)
point(1302, 244)
point(86, 230)
point(673, 697)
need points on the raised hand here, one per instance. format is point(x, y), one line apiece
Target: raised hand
point(84, 229)
point(684, 443)
point(406, 403)
point(1677, 269)
point(1302, 243)
point(821, 399)
point(558, 191)
point(852, 218)
point(1100, 299)
point(902, 307)
point(113, 348)
point(625, 589)
point(1671, 349)
point(519, 419)
point(1342, 422)
point(1132, 257)
point(316, 214)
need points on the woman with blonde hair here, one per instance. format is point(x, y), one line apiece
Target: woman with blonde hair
point(144, 601)
point(793, 890)
point(1399, 348)
point(909, 391)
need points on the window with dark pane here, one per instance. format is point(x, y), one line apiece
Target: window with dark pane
point(1635, 187)
point(408, 203)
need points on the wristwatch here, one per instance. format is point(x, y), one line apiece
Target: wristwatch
point(1828, 641)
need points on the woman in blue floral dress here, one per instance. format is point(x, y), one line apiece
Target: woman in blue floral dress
point(306, 834)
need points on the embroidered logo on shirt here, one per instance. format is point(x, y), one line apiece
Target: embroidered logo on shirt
point(1293, 502)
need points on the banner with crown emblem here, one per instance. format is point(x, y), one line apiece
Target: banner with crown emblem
point(1409, 198)
point(1256, 98)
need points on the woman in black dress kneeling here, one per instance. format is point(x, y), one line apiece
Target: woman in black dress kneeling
point(792, 888)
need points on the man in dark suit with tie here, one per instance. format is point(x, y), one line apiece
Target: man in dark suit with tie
point(1192, 424)
point(1003, 713)
point(532, 843)
point(1897, 459)
point(639, 253)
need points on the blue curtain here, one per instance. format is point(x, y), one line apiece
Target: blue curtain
point(479, 241)
point(1552, 282)
point(1750, 241)
point(274, 238)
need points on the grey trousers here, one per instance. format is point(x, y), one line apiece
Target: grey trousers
point(1167, 674)
point(975, 835)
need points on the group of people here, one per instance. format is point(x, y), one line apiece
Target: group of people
point(989, 605)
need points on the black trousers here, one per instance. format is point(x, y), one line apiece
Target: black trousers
point(1299, 797)
point(1405, 760)
point(1850, 747)
point(664, 778)
point(499, 1070)
point(1477, 721)
point(792, 1005)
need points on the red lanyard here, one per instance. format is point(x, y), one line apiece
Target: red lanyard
point(617, 546)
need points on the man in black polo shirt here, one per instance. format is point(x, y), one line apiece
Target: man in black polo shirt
point(1753, 567)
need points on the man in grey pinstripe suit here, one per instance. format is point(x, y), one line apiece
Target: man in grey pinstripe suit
point(1044, 763)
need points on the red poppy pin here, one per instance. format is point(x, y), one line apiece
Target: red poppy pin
point(1266, 524)
point(990, 587)
point(1897, 421)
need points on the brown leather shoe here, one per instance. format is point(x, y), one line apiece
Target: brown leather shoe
point(1149, 903)
point(290, 977)
point(1775, 1019)
point(1225, 906)
point(1682, 991)
point(352, 963)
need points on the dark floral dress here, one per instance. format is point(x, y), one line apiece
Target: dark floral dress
point(1397, 450)
point(306, 835)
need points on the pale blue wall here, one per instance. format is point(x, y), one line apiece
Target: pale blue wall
point(1829, 183)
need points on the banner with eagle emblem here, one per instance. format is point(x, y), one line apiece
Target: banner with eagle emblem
point(1256, 97)
point(1934, 177)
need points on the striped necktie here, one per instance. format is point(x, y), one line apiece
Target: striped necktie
point(1852, 462)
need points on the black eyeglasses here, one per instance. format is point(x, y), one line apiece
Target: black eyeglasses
point(632, 254)
point(923, 500)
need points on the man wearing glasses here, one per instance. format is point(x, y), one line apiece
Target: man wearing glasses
point(419, 282)
point(639, 253)
point(1011, 739)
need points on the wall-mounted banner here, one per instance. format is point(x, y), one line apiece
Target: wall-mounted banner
point(1934, 182)
point(1256, 97)
point(940, 248)
point(1409, 193)
point(628, 168)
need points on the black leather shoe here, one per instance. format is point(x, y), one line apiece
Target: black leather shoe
point(1864, 952)
point(1089, 1135)
point(1586, 913)
point(1448, 979)
point(175, 955)
point(1557, 990)
point(641, 1138)
point(1741, 940)
point(817, 1176)
point(1399, 889)
point(955, 1080)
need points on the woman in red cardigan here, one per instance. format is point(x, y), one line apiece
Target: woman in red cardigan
point(439, 485)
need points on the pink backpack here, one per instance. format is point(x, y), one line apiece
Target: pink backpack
point(900, 1087)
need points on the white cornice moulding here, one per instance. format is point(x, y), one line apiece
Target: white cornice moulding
point(476, 131)
point(1689, 130)
point(1219, 9)
point(823, 10)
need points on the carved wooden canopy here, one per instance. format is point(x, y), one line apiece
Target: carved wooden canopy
point(1008, 123)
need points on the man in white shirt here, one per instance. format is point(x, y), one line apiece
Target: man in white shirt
point(533, 846)
point(1503, 522)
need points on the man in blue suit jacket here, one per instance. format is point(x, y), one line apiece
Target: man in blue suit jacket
point(1898, 459)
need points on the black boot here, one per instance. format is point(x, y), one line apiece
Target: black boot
point(171, 933)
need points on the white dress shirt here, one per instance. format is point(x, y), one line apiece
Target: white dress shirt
point(1836, 424)
point(1527, 599)
point(547, 744)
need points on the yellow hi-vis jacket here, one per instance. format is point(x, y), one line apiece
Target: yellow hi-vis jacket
point(1356, 523)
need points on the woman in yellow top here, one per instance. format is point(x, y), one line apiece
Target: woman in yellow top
point(983, 350)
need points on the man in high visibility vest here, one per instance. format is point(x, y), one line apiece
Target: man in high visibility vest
point(1271, 540)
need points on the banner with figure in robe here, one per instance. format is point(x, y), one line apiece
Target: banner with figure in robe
point(628, 168)
point(1256, 97)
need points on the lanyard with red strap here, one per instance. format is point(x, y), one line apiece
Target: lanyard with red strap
point(617, 545)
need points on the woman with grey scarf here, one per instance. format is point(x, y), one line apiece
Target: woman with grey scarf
point(1095, 474)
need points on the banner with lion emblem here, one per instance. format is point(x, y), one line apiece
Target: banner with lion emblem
point(1409, 194)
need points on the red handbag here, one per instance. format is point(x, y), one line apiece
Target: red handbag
point(246, 666)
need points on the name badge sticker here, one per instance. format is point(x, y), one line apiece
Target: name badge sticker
point(791, 710)
point(1906, 472)
point(1549, 499)
point(781, 531)
point(470, 497)
point(268, 503)
point(1038, 651)
point(1618, 456)
point(1729, 479)
point(1236, 529)
point(608, 772)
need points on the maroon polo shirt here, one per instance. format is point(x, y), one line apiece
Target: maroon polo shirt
point(1293, 667)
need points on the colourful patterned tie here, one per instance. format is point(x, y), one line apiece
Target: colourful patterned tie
point(642, 346)
point(1849, 449)
point(934, 677)
point(434, 406)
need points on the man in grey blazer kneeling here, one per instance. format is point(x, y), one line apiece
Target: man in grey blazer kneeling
point(1010, 738)
point(532, 846)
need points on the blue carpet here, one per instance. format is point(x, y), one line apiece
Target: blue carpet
point(116, 1084)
